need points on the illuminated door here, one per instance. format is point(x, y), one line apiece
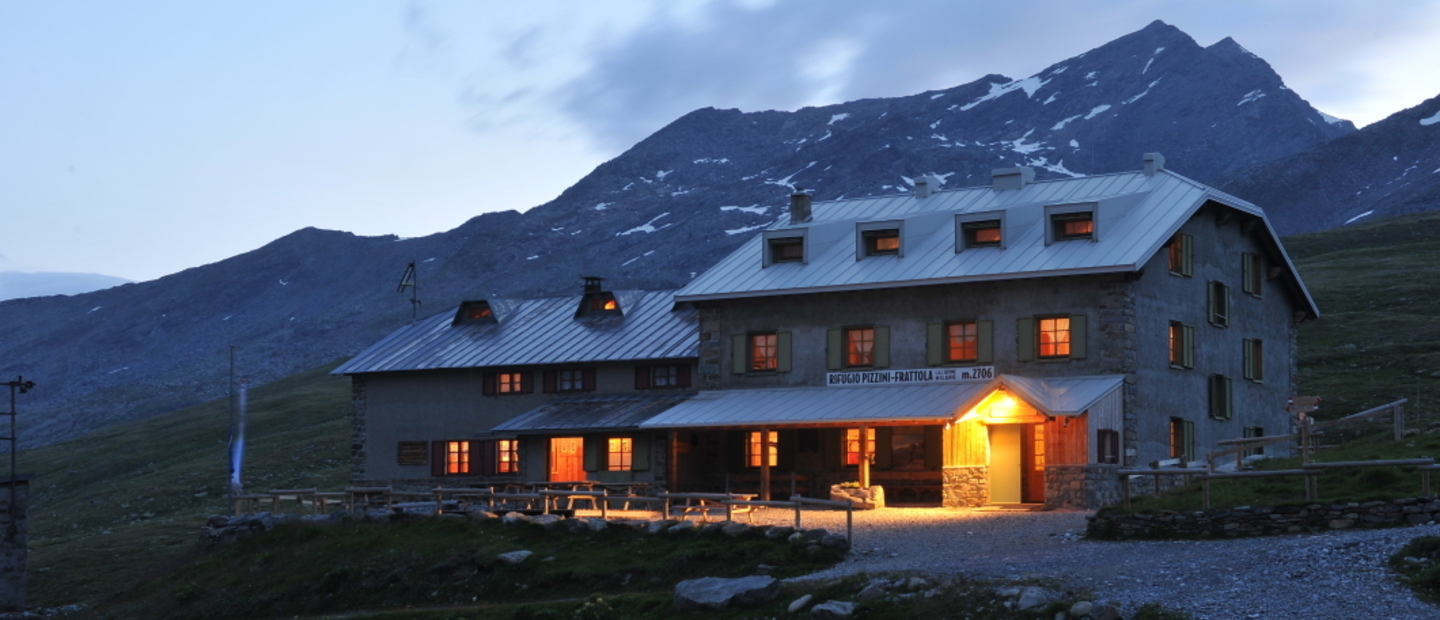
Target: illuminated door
point(567, 459)
point(1032, 463)
point(1005, 474)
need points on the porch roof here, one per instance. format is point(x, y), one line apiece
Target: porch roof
point(1054, 396)
point(591, 412)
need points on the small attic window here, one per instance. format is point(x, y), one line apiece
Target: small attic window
point(790, 249)
point(1071, 222)
point(474, 312)
point(985, 233)
point(600, 303)
point(882, 242)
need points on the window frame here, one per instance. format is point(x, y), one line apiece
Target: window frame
point(1181, 345)
point(623, 458)
point(569, 380)
point(507, 456)
point(965, 222)
point(1253, 357)
point(1107, 438)
point(753, 446)
point(512, 382)
point(1040, 331)
point(1253, 432)
point(1180, 255)
point(1057, 215)
point(457, 457)
point(753, 348)
point(774, 239)
point(949, 340)
point(868, 234)
point(1182, 439)
point(848, 338)
point(665, 376)
point(851, 439)
point(1252, 269)
point(1218, 303)
point(1221, 396)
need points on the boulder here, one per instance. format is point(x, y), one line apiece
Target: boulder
point(835, 541)
point(719, 593)
point(862, 498)
point(800, 603)
point(515, 557)
point(1032, 597)
point(871, 592)
point(683, 526)
point(549, 521)
point(516, 517)
point(779, 531)
point(832, 610)
point(735, 529)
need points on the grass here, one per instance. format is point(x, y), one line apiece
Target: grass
point(108, 506)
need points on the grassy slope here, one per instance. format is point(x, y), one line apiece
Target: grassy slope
point(107, 508)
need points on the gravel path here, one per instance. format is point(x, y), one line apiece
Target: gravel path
point(1339, 575)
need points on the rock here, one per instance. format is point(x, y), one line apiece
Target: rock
point(515, 557)
point(683, 526)
point(916, 583)
point(871, 592)
point(800, 603)
point(515, 517)
point(549, 521)
point(832, 610)
point(735, 529)
point(1081, 609)
point(719, 593)
point(656, 527)
point(764, 569)
point(1032, 597)
point(835, 541)
point(779, 531)
point(1104, 612)
point(1340, 524)
point(596, 525)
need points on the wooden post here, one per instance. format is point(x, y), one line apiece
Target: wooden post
point(797, 513)
point(1398, 416)
point(1311, 488)
point(850, 524)
point(864, 456)
point(764, 465)
point(1205, 493)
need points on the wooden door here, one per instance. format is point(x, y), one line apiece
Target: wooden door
point(567, 459)
point(1005, 450)
point(1032, 463)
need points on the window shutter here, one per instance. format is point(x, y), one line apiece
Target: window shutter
point(1247, 275)
point(1215, 396)
point(1189, 440)
point(782, 351)
point(1078, 333)
point(594, 452)
point(934, 448)
point(1025, 339)
point(682, 375)
point(1248, 355)
point(587, 379)
point(489, 383)
point(834, 349)
point(437, 458)
point(527, 382)
point(935, 344)
point(550, 386)
point(1227, 399)
point(642, 377)
point(882, 347)
point(984, 341)
point(739, 354)
point(640, 455)
point(1187, 253)
point(1187, 351)
point(487, 457)
point(884, 453)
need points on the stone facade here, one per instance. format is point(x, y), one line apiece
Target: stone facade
point(14, 552)
point(966, 487)
point(1119, 354)
point(1262, 521)
point(1081, 486)
point(357, 427)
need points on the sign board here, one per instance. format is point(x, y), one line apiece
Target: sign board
point(1303, 404)
point(860, 378)
point(413, 453)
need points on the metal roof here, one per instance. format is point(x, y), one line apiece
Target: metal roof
point(648, 326)
point(1136, 216)
point(1066, 396)
point(853, 405)
point(594, 412)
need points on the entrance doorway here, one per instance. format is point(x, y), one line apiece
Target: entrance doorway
point(567, 459)
point(1017, 464)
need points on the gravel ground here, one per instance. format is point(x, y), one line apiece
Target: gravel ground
point(1339, 575)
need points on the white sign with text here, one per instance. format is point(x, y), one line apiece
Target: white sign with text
point(909, 377)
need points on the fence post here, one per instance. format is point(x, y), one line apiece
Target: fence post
point(1398, 416)
point(1205, 493)
point(850, 523)
point(797, 512)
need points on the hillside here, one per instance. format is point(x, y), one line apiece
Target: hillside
point(651, 218)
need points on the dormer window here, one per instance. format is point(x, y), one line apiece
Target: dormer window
point(787, 250)
point(474, 312)
point(600, 303)
point(1067, 226)
point(981, 234)
point(881, 242)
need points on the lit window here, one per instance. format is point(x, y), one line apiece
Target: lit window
point(664, 376)
point(1182, 439)
point(571, 380)
point(457, 457)
point(764, 352)
point(753, 449)
point(878, 242)
point(1054, 337)
point(1178, 255)
point(620, 453)
point(962, 342)
point(981, 234)
point(1182, 345)
point(787, 249)
point(473, 312)
point(507, 456)
point(1073, 225)
point(860, 346)
point(510, 382)
point(1039, 460)
point(852, 445)
point(604, 302)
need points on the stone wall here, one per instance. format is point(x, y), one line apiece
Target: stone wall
point(357, 427)
point(1081, 486)
point(1262, 521)
point(966, 487)
point(14, 550)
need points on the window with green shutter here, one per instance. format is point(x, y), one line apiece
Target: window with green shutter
point(1219, 304)
point(1252, 269)
point(1180, 255)
point(1254, 356)
point(1182, 345)
point(1221, 397)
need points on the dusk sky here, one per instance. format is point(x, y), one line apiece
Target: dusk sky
point(141, 138)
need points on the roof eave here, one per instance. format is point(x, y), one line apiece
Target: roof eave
point(1083, 271)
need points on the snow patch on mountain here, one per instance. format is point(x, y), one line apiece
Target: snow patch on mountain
point(1051, 98)
point(1431, 120)
point(647, 227)
point(602, 206)
point(745, 229)
point(1063, 122)
point(840, 117)
point(1029, 85)
point(1019, 145)
point(1250, 96)
point(1097, 110)
point(707, 160)
point(1332, 120)
point(756, 209)
point(1358, 216)
point(1142, 94)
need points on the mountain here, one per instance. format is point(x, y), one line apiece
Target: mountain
point(1389, 168)
point(653, 217)
point(17, 284)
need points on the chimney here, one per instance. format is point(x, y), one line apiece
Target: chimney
point(1012, 178)
point(594, 284)
point(799, 207)
point(1154, 162)
point(922, 187)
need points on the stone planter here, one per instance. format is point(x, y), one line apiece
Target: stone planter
point(867, 498)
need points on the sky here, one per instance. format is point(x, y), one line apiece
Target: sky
point(140, 138)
